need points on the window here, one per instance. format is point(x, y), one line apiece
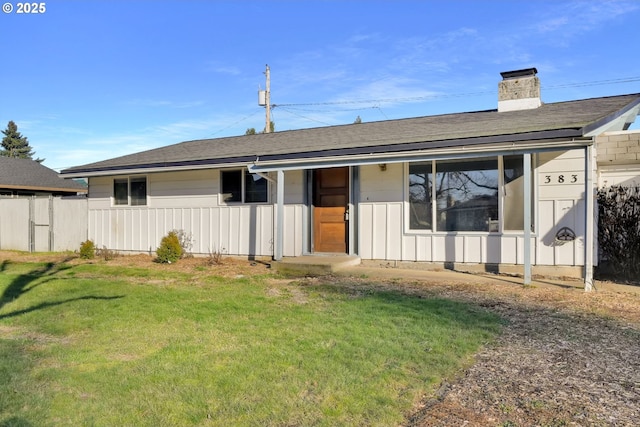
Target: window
point(420, 186)
point(130, 191)
point(466, 195)
point(514, 193)
point(232, 186)
point(243, 187)
point(121, 191)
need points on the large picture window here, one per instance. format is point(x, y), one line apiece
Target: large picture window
point(130, 191)
point(465, 195)
point(238, 187)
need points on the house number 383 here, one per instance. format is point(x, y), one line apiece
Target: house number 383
point(561, 179)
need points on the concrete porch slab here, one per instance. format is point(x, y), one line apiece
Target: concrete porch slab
point(315, 265)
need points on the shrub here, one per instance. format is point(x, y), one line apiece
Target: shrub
point(215, 257)
point(87, 250)
point(169, 250)
point(619, 229)
point(186, 242)
point(106, 254)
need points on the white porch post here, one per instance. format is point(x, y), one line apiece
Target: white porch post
point(527, 217)
point(589, 219)
point(278, 235)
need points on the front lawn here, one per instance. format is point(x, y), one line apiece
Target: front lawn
point(104, 345)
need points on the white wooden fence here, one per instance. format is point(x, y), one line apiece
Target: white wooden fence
point(43, 224)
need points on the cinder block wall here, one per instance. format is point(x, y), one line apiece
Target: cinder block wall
point(618, 148)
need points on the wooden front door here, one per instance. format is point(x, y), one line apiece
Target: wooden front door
point(330, 204)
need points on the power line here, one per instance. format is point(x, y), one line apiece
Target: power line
point(456, 95)
point(291, 108)
point(235, 123)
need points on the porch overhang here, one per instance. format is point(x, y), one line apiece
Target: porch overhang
point(450, 151)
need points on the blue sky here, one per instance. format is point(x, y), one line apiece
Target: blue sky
point(91, 80)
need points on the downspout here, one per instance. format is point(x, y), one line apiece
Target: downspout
point(278, 222)
point(589, 219)
point(279, 231)
point(526, 159)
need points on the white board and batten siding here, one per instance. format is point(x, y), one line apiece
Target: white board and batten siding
point(189, 201)
point(558, 199)
point(561, 198)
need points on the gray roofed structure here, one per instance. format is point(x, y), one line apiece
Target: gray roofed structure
point(29, 176)
point(572, 119)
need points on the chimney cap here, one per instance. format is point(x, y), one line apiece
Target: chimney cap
point(519, 73)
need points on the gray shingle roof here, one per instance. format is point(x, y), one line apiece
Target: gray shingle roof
point(25, 174)
point(562, 119)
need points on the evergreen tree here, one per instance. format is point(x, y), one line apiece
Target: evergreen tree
point(16, 145)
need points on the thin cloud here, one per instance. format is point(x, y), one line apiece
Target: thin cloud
point(216, 67)
point(160, 103)
point(573, 19)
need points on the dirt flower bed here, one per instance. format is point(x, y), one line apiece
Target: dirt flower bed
point(564, 358)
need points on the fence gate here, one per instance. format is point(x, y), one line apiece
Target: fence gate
point(42, 224)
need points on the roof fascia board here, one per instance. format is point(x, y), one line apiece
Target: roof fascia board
point(37, 188)
point(614, 121)
point(618, 124)
point(402, 157)
point(142, 170)
point(480, 143)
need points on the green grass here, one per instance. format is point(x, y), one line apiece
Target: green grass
point(101, 345)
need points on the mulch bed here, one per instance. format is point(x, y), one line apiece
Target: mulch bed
point(565, 358)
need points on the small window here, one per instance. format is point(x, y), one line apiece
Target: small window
point(121, 191)
point(238, 187)
point(130, 191)
point(420, 188)
point(138, 191)
point(514, 193)
point(232, 186)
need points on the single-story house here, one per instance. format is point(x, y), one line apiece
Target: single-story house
point(485, 188)
point(26, 177)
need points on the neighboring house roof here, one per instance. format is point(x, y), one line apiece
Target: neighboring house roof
point(573, 119)
point(25, 174)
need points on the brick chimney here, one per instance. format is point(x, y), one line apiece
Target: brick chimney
point(519, 90)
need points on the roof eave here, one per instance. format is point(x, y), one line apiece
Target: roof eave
point(44, 188)
point(521, 139)
point(614, 121)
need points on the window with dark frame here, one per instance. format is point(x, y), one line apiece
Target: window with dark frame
point(238, 187)
point(138, 188)
point(121, 191)
point(130, 191)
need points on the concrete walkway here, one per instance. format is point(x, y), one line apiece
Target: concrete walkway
point(319, 264)
point(449, 276)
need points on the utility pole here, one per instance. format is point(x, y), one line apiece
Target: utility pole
point(267, 127)
point(264, 100)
